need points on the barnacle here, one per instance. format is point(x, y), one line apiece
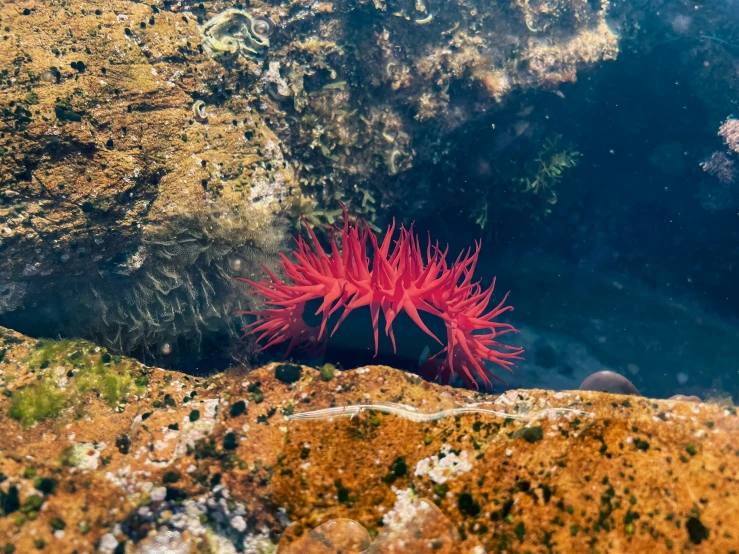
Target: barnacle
point(235, 31)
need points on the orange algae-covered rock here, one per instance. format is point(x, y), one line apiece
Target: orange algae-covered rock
point(258, 458)
point(336, 535)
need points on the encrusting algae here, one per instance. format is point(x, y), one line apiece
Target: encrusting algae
point(209, 463)
point(61, 374)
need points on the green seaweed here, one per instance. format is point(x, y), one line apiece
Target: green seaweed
point(548, 169)
point(94, 372)
point(533, 191)
point(35, 403)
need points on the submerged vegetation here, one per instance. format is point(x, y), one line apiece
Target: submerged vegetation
point(531, 192)
point(548, 169)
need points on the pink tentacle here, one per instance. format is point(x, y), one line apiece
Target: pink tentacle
point(402, 276)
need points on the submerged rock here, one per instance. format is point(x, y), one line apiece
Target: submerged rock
point(609, 381)
point(115, 452)
point(119, 154)
point(132, 176)
point(332, 537)
point(413, 525)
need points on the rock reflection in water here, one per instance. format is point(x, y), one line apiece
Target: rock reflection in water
point(336, 535)
point(414, 525)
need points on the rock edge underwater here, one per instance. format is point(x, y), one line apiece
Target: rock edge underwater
point(101, 452)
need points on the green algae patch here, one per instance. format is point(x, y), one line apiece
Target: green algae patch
point(328, 372)
point(37, 402)
point(111, 381)
point(66, 372)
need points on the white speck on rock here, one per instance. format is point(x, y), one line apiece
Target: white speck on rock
point(158, 494)
point(441, 468)
point(84, 455)
point(165, 541)
point(403, 510)
point(108, 544)
point(238, 523)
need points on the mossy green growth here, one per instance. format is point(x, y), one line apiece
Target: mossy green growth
point(328, 372)
point(36, 402)
point(93, 372)
point(31, 99)
point(112, 383)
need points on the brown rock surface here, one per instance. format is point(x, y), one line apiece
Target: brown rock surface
point(125, 450)
point(100, 145)
point(135, 179)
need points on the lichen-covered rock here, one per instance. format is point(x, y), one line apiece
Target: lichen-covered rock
point(139, 455)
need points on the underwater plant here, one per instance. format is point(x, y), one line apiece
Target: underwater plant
point(551, 163)
point(401, 279)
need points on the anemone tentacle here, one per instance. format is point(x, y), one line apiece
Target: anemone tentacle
point(400, 277)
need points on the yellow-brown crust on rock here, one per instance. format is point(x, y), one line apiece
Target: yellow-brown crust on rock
point(621, 474)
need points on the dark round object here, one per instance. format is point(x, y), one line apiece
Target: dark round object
point(609, 381)
point(288, 373)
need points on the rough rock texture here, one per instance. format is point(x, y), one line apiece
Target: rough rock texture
point(118, 116)
point(145, 162)
point(375, 89)
point(100, 137)
point(135, 180)
point(123, 131)
point(99, 450)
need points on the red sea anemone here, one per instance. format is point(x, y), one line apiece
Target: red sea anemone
point(400, 277)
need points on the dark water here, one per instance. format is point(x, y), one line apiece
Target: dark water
point(629, 241)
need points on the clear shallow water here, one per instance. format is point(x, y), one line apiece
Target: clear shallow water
point(151, 154)
point(584, 321)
